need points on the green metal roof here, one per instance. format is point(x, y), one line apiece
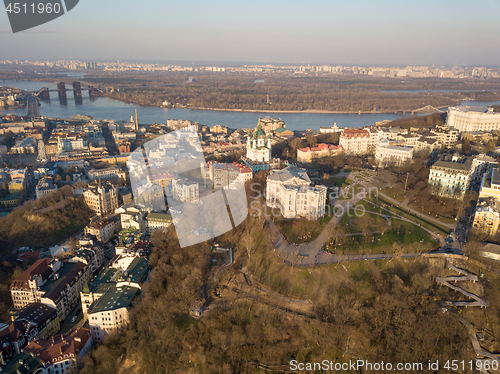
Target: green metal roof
point(159, 216)
point(116, 299)
point(23, 363)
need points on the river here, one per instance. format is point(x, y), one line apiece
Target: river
point(104, 108)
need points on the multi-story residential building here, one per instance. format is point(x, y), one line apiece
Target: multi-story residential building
point(90, 242)
point(133, 217)
point(392, 154)
point(473, 118)
point(487, 215)
point(158, 221)
point(43, 317)
point(60, 354)
point(259, 146)
point(449, 176)
point(481, 164)
point(185, 190)
point(222, 175)
point(290, 190)
point(44, 187)
point(111, 312)
point(446, 136)
point(23, 288)
point(309, 154)
point(50, 282)
point(425, 143)
point(355, 141)
point(268, 125)
point(103, 228)
point(151, 194)
point(101, 197)
point(71, 143)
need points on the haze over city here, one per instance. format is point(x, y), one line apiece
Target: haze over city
point(361, 32)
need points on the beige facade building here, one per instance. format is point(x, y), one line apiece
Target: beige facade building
point(185, 190)
point(450, 176)
point(473, 118)
point(308, 155)
point(355, 141)
point(102, 198)
point(487, 215)
point(392, 154)
point(103, 229)
point(221, 175)
point(290, 190)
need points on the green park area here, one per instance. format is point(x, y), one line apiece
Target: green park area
point(388, 206)
point(371, 234)
point(341, 182)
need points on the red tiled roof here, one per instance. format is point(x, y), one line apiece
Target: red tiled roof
point(60, 347)
point(41, 267)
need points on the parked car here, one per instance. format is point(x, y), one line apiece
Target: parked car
point(73, 319)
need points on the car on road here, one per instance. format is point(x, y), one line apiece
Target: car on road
point(73, 319)
point(449, 239)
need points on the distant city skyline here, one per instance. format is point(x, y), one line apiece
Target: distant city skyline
point(322, 32)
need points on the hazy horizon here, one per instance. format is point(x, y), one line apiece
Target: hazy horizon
point(360, 33)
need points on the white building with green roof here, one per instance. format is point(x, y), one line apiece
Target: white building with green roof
point(111, 312)
point(259, 146)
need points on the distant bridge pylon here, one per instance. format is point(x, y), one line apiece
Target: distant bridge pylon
point(428, 109)
point(44, 92)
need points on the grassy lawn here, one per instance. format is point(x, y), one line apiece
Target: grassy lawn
point(402, 237)
point(351, 192)
point(445, 216)
point(341, 182)
point(396, 209)
point(394, 193)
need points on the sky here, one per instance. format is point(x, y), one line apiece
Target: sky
point(356, 32)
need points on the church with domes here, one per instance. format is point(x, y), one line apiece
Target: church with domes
point(259, 146)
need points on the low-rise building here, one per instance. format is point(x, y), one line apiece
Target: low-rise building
point(392, 154)
point(330, 130)
point(309, 154)
point(290, 190)
point(44, 187)
point(104, 228)
point(158, 221)
point(112, 173)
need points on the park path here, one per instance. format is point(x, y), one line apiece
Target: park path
point(466, 276)
point(311, 253)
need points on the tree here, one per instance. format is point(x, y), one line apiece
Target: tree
point(68, 178)
point(466, 148)
point(58, 177)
